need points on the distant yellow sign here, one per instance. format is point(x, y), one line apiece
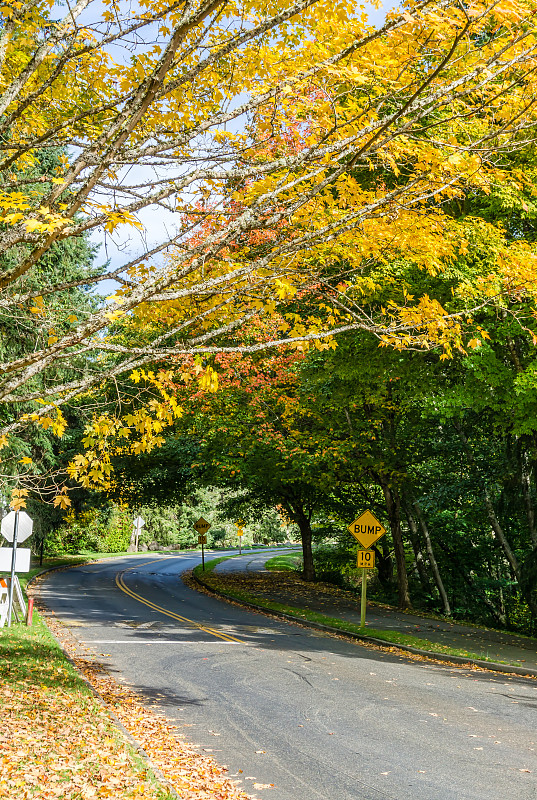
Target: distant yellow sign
point(202, 526)
point(366, 559)
point(367, 529)
point(240, 532)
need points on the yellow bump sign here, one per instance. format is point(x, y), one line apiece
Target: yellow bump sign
point(366, 559)
point(202, 526)
point(367, 529)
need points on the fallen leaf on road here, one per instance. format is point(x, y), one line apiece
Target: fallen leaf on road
point(194, 776)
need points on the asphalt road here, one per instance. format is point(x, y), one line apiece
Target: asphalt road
point(318, 717)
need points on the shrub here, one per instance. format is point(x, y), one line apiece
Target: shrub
point(94, 530)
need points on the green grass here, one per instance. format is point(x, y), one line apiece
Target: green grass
point(283, 562)
point(46, 695)
point(32, 653)
point(210, 565)
point(391, 637)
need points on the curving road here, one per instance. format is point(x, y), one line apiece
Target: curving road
point(319, 717)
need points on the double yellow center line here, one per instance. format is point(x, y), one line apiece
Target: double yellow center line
point(120, 583)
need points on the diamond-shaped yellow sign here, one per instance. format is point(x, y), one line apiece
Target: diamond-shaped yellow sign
point(367, 529)
point(202, 526)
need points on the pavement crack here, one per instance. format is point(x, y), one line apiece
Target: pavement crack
point(302, 677)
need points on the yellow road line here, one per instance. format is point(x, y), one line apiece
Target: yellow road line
point(120, 583)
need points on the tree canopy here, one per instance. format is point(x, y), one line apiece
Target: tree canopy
point(296, 151)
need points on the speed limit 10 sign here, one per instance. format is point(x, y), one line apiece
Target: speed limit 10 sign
point(366, 559)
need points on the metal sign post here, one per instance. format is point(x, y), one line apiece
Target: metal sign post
point(202, 526)
point(202, 539)
point(16, 527)
point(138, 525)
point(367, 529)
point(240, 534)
point(4, 601)
point(13, 559)
point(364, 598)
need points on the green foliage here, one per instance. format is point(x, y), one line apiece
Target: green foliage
point(27, 331)
point(78, 533)
point(159, 478)
point(173, 525)
point(118, 530)
point(105, 530)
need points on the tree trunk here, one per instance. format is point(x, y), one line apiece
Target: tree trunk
point(493, 519)
point(384, 564)
point(525, 577)
point(393, 508)
point(452, 555)
point(416, 547)
point(525, 479)
point(303, 522)
point(432, 560)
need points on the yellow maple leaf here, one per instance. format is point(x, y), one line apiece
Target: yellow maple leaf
point(61, 501)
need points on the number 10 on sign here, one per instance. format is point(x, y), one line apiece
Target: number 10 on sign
point(366, 559)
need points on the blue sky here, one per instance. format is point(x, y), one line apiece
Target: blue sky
point(127, 242)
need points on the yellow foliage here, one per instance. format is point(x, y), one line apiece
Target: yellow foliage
point(61, 501)
point(354, 147)
point(18, 499)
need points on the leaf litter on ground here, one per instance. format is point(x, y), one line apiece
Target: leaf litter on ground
point(58, 741)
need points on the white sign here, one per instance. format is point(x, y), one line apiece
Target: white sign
point(26, 524)
point(22, 559)
point(139, 522)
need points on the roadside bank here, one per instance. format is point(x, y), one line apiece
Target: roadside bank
point(327, 607)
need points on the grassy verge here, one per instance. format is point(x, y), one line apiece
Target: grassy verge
point(285, 561)
point(219, 584)
point(57, 740)
point(210, 565)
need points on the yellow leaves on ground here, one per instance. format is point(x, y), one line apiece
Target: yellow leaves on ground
point(58, 740)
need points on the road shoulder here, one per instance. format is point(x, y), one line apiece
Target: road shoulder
point(134, 752)
point(325, 607)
